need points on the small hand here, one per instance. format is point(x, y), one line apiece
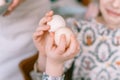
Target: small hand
point(41, 34)
point(57, 55)
point(40, 38)
point(61, 53)
point(13, 5)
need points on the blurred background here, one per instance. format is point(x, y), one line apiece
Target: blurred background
point(70, 8)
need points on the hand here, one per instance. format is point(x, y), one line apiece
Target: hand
point(57, 55)
point(41, 34)
point(61, 53)
point(12, 6)
point(40, 39)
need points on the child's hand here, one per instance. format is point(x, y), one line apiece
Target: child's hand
point(13, 5)
point(40, 39)
point(61, 53)
point(57, 55)
point(41, 34)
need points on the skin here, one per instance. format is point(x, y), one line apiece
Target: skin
point(110, 10)
point(54, 56)
point(13, 6)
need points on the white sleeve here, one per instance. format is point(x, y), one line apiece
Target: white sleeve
point(40, 76)
point(36, 75)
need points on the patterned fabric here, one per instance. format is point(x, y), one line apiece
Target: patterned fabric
point(47, 77)
point(99, 56)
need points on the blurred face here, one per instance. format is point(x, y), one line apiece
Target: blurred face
point(110, 10)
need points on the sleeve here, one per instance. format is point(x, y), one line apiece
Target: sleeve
point(48, 77)
point(67, 66)
point(35, 74)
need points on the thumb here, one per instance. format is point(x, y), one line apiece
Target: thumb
point(50, 42)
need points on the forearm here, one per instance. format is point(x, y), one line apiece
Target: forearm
point(41, 63)
point(54, 69)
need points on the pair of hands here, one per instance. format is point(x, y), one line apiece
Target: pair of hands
point(44, 41)
point(13, 5)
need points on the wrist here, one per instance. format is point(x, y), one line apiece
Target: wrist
point(41, 63)
point(53, 68)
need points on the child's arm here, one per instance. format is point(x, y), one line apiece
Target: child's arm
point(58, 55)
point(53, 56)
point(40, 37)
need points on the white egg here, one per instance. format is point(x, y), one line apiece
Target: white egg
point(63, 30)
point(2, 2)
point(56, 22)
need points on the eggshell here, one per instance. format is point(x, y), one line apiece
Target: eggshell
point(66, 31)
point(56, 22)
point(2, 2)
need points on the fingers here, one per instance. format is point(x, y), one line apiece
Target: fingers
point(37, 35)
point(47, 18)
point(49, 14)
point(73, 49)
point(40, 32)
point(50, 42)
point(43, 28)
point(44, 20)
point(62, 44)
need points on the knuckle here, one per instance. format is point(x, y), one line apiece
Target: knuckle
point(61, 49)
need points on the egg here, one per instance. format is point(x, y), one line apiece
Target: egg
point(63, 30)
point(56, 22)
point(2, 2)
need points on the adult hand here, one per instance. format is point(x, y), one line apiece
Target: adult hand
point(13, 5)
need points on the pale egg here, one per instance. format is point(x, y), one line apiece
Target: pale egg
point(56, 22)
point(2, 2)
point(63, 30)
